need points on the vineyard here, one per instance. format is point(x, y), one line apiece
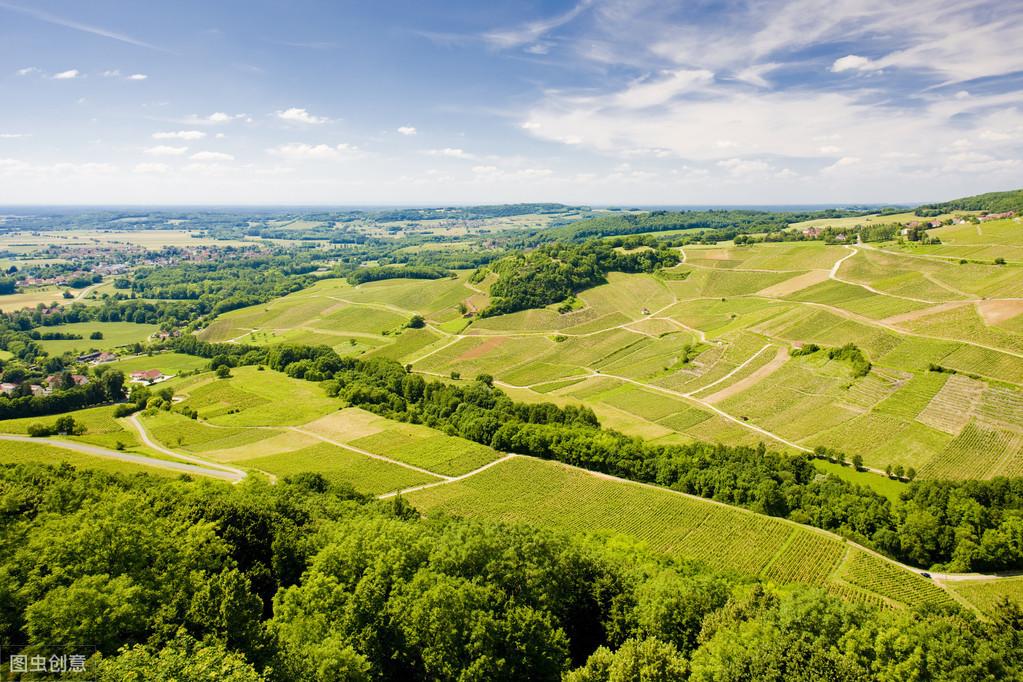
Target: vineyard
point(985, 594)
point(526, 490)
point(979, 451)
point(365, 474)
point(885, 578)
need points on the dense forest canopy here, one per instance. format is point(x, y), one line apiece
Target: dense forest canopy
point(992, 202)
point(307, 580)
point(554, 272)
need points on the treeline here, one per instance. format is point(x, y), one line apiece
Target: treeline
point(986, 517)
point(108, 387)
point(732, 220)
point(992, 202)
point(307, 580)
point(553, 272)
point(373, 274)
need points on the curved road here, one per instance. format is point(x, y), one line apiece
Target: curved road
point(97, 451)
point(237, 474)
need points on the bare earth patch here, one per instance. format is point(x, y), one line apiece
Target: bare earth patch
point(997, 311)
point(797, 283)
point(779, 359)
point(482, 349)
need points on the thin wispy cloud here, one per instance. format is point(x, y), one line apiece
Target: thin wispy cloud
point(76, 25)
point(532, 31)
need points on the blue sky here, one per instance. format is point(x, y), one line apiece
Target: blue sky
point(591, 101)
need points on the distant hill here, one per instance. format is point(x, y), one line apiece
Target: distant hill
point(992, 202)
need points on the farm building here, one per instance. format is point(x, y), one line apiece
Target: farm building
point(147, 376)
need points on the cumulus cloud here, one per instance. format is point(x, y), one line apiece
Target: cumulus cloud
point(217, 118)
point(297, 115)
point(138, 77)
point(319, 152)
point(211, 156)
point(67, 75)
point(179, 135)
point(407, 130)
point(853, 62)
point(166, 150)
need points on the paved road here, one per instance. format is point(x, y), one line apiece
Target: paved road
point(144, 435)
point(97, 451)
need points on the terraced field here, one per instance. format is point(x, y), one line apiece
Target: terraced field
point(526, 490)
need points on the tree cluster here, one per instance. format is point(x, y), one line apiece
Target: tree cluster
point(307, 580)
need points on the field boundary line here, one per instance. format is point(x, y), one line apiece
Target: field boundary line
point(732, 373)
point(367, 453)
point(450, 479)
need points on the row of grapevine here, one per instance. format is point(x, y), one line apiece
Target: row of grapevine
point(809, 558)
point(885, 578)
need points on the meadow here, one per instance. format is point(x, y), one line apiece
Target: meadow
point(115, 334)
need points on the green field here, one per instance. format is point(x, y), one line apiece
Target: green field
point(692, 355)
point(115, 334)
point(526, 490)
point(365, 474)
point(985, 594)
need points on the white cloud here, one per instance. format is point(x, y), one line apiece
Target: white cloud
point(151, 168)
point(138, 77)
point(844, 162)
point(296, 115)
point(212, 156)
point(530, 125)
point(321, 152)
point(179, 135)
point(111, 73)
point(407, 130)
point(166, 150)
point(853, 62)
point(67, 75)
point(27, 71)
point(484, 170)
point(830, 149)
point(451, 152)
point(669, 84)
point(532, 31)
point(217, 118)
point(12, 136)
